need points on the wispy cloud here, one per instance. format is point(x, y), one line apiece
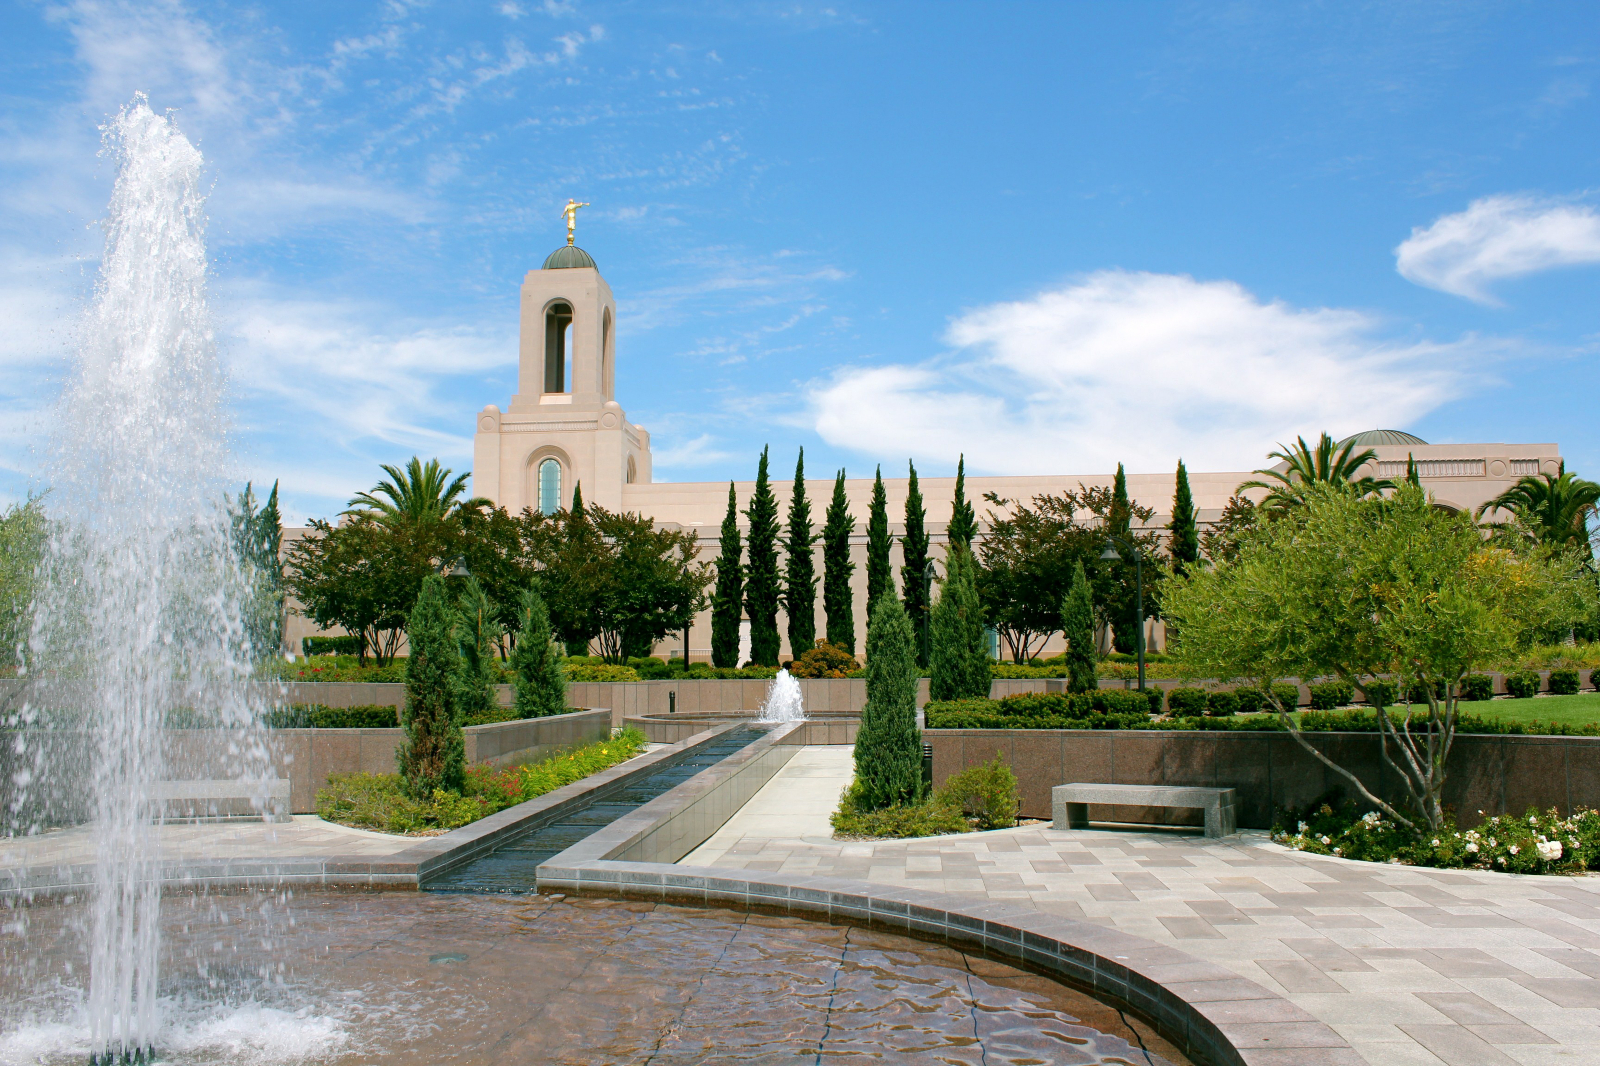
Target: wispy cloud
point(1495, 238)
point(1141, 368)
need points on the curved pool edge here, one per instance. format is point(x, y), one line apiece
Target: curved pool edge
point(1217, 1017)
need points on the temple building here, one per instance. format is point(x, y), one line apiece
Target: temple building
point(564, 427)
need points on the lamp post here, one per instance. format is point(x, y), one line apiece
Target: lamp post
point(928, 574)
point(1114, 544)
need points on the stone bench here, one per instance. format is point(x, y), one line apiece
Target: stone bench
point(1070, 803)
point(218, 801)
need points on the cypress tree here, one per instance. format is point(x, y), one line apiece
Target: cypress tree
point(477, 635)
point(1121, 517)
point(888, 752)
point(1077, 624)
point(727, 606)
point(541, 682)
point(800, 575)
point(1185, 543)
point(761, 572)
point(959, 651)
point(880, 571)
point(963, 520)
point(914, 553)
point(837, 601)
point(577, 520)
point(433, 755)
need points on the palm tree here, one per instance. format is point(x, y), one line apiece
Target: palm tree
point(1551, 510)
point(1328, 463)
point(417, 494)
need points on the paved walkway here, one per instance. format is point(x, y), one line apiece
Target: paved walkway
point(1410, 966)
point(305, 836)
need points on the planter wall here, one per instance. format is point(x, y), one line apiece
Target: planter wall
point(1494, 774)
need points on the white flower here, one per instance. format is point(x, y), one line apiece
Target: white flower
point(1492, 842)
point(1512, 849)
point(1372, 817)
point(1472, 846)
point(1435, 841)
point(1533, 819)
point(1394, 860)
point(1326, 840)
point(1550, 850)
point(1337, 850)
point(1303, 828)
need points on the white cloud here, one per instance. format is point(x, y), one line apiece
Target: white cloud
point(1139, 368)
point(700, 451)
point(1498, 237)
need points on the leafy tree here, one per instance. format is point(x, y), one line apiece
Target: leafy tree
point(477, 635)
point(888, 752)
point(1029, 554)
point(963, 520)
point(491, 544)
point(1304, 466)
point(364, 576)
point(1184, 545)
point(800, 576)
point(913, 571)
point(257, 536)
point(1362, 587)
point(761, 572)
point(540, 682)
point(418, 494)
point(614, 578)
point(959, 652)
point(837, 600)
point(1221, 539)
point(880, 571)
point(1077, 624)
point(23, 534)
point(1552, 510)
point(433, 755)
point(728, 603)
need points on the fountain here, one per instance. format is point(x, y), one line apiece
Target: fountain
point(784, 702)
point(140, 613)
point(141, 622)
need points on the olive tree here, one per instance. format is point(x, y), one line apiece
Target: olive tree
point(1362, 587)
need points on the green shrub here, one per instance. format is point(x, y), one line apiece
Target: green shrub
point(330, 645)
point(1522, 685)
point(318, 716)
point(1327, 695)
point(931, 817)
point(825, 659)
point(1380, 693)
point(1249, 699)
point(1222, 703)
point(1286, 693)
point(986, 793)
point(600, 672)
point(1563, 682)
point(1186, 701)
point(1126, 700)
point(1025, 704)
point(1475, 688)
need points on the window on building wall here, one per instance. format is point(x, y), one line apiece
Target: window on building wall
point(557, 347)
point(549, 486)
point(606, 384)
point(633, 470)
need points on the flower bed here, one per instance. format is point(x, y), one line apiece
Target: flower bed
point(1536, 843)
point(380, 802)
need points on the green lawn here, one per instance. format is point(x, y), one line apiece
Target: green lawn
point(1579, 709)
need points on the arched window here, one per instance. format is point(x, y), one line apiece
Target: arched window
point(607, 385)
point(557, 346)
point(633, 470)
point(549, 486)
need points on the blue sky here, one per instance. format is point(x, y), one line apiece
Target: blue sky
point(1051, 236)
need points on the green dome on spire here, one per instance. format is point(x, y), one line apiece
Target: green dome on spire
point(1373, 438)
point(568, 257)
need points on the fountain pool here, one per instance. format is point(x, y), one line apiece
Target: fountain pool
point(428, 978)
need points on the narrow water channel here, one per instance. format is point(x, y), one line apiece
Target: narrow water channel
point(511, 866)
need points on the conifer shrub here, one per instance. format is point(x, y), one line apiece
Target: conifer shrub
point(959, 652)
point(888, 750)
point(1522, 685)
point(1077, 623)
point(433, 756)
point(1563, 682)
point(541, 685)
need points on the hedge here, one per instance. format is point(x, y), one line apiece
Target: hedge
point(1563, 682)
point(319, 716)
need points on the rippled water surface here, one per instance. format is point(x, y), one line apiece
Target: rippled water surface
point(441, 978)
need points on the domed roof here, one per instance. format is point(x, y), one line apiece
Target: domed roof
point(1375, 437)
point(567, 257)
